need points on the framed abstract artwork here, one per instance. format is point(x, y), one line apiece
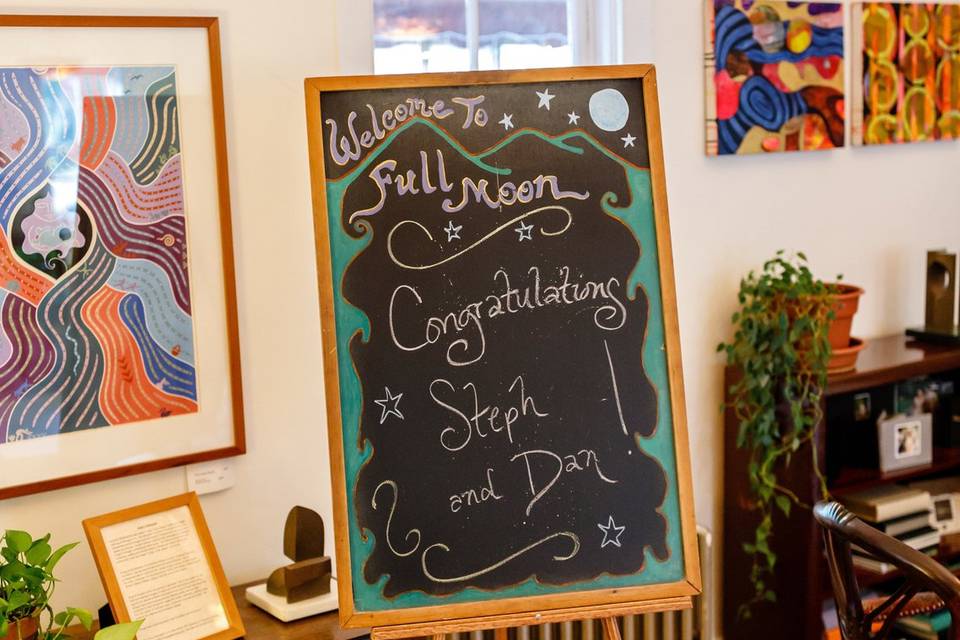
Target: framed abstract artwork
point(118, 323)
point(906, 73)
point(774, 76)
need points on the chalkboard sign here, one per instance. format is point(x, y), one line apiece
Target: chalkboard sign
point(503, 381)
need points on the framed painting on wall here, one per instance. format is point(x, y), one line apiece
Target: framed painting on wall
point(774, 76)
point(118, 323)
point(906, 72)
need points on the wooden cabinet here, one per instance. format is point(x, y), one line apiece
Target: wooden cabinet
point(846, 449)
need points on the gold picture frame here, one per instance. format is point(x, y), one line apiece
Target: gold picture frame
point(145, 517)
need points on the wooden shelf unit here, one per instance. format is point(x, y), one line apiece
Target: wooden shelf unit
point(847, 454)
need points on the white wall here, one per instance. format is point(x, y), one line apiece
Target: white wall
point(268, 49)
point(869, 214)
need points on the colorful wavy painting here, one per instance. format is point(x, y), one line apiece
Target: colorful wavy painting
point(774, 76)
point(907, 73)
point(95, 318)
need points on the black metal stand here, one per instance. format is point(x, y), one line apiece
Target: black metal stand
point(936, 336)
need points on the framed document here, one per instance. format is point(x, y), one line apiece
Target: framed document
point(119, 350)
point(158, 564)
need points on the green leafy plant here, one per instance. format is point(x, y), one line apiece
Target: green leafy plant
point(27, 584)
point(782, 350)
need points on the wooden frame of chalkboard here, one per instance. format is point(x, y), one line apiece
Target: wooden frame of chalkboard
point(358, 113)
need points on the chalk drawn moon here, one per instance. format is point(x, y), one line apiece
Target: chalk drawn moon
point(609, 109)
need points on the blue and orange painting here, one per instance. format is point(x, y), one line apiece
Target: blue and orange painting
point(96, 327)
point(774, 77)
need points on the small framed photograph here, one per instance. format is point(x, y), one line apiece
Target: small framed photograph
point(923, 395)
point(862, 408)
point(905, 441)
point(946, 513)
point(908, 440)
point(158, 564)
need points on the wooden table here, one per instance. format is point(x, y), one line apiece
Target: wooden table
point(260, 625)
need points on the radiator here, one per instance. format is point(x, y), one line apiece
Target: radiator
point(690, 624)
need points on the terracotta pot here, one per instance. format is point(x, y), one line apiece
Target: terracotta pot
point(845, 304)
point(845, 359)
point(24, 629)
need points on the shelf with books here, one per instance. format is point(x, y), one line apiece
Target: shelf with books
point(852, 479)
point(948, 555)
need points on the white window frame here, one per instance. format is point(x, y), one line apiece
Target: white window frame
point(594, 31)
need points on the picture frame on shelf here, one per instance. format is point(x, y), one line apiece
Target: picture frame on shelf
point(117, 286)
point(945, 515)
point(905, 441)
point(923, 395)
point(158, 564)
point(862, 406)
point(933, 394)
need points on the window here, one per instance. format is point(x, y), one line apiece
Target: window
point(412, 36)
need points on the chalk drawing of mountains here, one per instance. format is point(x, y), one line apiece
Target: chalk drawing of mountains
point(561, 141)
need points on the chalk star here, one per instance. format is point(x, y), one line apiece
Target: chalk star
point(545, 98)
point(611, 539)
point(453, 231)
point(574, 118)
point(628, 140)
point(84, 270)
point(524, 230)
point(394, 408)
point(507, 121)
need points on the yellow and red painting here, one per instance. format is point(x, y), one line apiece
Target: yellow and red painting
point(774, 76)
point(907, 71)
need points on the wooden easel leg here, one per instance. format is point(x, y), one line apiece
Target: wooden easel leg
point(610, 629)
point(500, 633)
point(438, 636)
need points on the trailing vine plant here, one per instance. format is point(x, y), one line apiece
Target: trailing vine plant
point(781, 348)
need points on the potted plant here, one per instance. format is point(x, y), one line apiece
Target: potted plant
point(781, 349)
point(27, 584)
point(844, 348)
point(846, 301)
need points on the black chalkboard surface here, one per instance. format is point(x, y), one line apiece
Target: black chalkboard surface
point(504, 394)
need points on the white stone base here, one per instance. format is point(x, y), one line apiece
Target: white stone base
point(279, 608)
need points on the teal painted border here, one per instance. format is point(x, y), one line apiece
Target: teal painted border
point(638, 216)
